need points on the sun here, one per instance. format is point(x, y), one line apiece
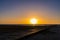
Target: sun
point(33, 21)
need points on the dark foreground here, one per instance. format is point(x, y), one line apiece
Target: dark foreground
point(29, 32)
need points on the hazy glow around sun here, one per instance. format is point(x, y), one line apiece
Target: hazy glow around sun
point(33, 21)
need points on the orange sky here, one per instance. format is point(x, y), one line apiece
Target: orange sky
point(20, 12)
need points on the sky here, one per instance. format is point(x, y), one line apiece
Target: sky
point(21, 11)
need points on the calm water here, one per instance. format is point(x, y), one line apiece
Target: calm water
point(12, 32)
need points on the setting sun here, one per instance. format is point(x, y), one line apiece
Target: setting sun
point(33, 21)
